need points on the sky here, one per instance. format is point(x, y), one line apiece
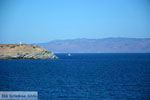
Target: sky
point(37, 21)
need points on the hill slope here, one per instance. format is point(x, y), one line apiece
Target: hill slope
point(23, 51)
point(107, 45)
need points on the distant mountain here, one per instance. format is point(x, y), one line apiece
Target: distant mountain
point(106, 45)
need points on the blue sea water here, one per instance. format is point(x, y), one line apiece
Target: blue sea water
point(80, 77)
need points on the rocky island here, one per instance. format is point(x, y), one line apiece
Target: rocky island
point(24, 51)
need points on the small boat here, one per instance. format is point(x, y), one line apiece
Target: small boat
point(69, 54)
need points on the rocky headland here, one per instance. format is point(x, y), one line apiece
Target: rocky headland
point(24, 51)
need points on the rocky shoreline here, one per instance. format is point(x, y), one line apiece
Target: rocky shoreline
point(24, 51)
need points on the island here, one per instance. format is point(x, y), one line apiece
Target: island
point(24, 51)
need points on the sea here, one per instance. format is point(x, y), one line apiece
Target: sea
point(80, 76)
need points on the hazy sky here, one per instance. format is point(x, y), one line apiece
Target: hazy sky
point(31, 21)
